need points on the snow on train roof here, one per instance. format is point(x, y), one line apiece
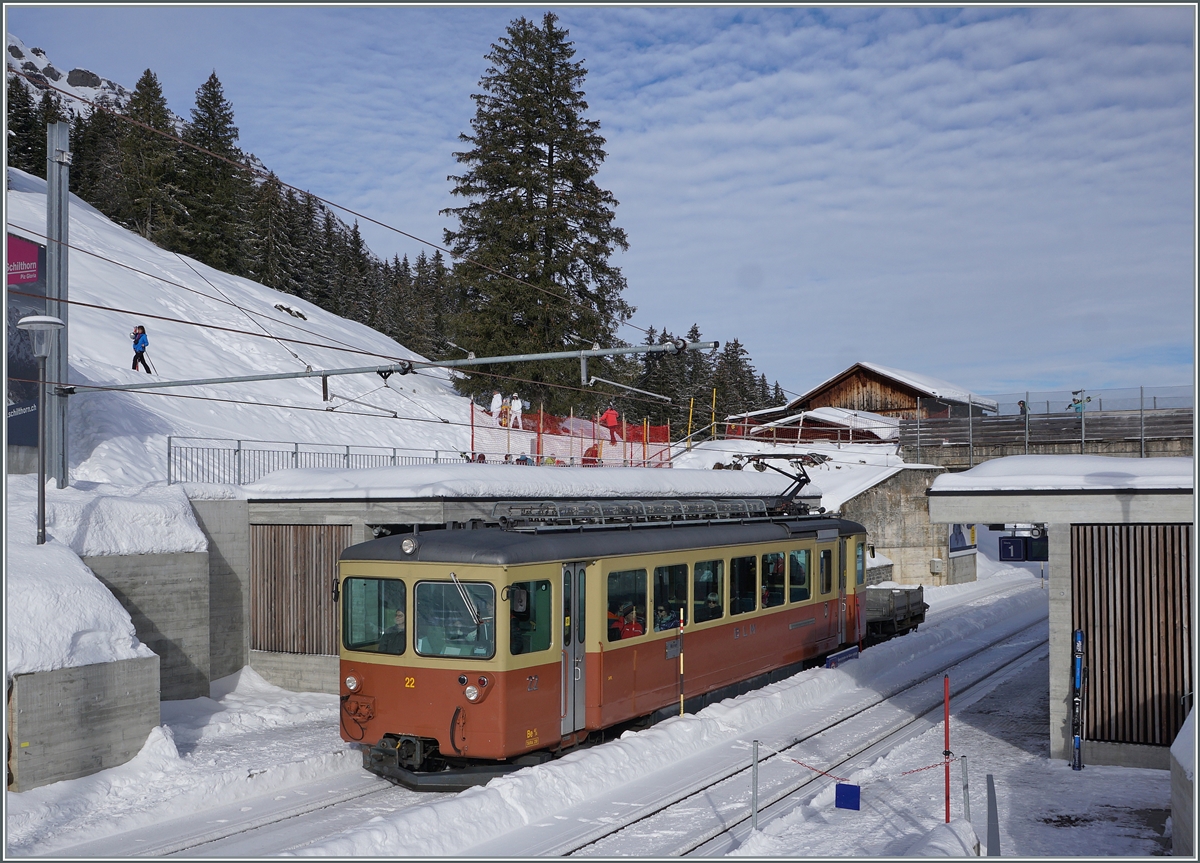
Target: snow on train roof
point(514, 481)
point(1070, 473)
point(496, 547)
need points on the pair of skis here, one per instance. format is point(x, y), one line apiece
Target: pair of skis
point(1079, 674)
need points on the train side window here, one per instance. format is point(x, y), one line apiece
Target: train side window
point(773, 578)
point(826, 570)
point(670, 596)
point(799, 567)
point(860, 563)
point(626, 604)
point(373, 615)
point(743, 584)
point(708, 590)
point(446, 627)
point(529, 630)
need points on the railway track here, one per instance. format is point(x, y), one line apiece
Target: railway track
point(658, 818)
point(836, 751)
point(648, 818)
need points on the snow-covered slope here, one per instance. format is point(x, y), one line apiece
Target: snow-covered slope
point(203, 323)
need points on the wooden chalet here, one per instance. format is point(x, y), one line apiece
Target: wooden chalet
point(892, 393)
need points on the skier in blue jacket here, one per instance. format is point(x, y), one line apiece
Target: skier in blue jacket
point(140, 343)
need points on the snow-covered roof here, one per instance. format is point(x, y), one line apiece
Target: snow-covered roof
point(884, 428)
point(513, 481)
point(1070, 473)
point(924, 383)
point(759, 413)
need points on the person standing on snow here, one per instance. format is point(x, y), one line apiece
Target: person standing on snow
point(140, 343)
point(514, 412)
point(610, 420)
point(497, 405)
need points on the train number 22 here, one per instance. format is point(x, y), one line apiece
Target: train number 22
point(410, 683)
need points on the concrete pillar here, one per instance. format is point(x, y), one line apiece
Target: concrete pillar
point(226, 524)
point(1058, 570)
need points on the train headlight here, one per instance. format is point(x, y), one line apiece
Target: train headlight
point(472, 693)
point(352, 683)
point(408, 545)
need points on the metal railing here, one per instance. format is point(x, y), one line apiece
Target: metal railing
point(237, 462)
point(230, 461)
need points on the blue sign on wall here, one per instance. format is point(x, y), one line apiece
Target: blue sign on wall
point(22, 424)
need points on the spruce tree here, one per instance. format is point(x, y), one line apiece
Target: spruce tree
point(535, 213)
point(269, 243)
point(49, 110)
point(217, 192)
point(148, 164)
point(96, 161)
point(23, 130)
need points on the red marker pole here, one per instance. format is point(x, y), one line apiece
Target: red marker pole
point(946, 754)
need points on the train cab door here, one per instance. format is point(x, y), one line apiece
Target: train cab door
point(574, 670)
point(841, 568)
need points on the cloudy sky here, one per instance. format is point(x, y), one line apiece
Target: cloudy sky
point(1000, 197)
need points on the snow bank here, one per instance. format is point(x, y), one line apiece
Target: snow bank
point(250, 739)
point(1069, 473)
point(876, 560)
point(1183, 749)
point(57, 613)
point(956, 839)
point(97, 519)
point(515, 481)
point(529, 795)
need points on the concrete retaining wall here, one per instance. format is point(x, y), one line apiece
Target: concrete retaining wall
point(298, 672)
point(1182, 812)
point(879, 574)
point(72, 722)
point(958, 456)
point(167, 595)
point(896, 515)
point(226, 524)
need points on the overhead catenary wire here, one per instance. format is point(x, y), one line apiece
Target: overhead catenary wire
point(332, 341)
point(243, 166)
point(242, 310)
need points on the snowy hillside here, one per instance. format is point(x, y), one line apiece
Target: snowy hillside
point(203, 323)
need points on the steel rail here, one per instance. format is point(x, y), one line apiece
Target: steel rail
point(696, 841)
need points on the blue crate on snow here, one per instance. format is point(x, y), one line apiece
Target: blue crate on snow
point(845, 796)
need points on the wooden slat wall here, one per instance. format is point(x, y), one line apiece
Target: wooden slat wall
point(1131, 597)
point(292, 567)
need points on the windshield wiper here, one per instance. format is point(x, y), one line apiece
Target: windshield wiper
point(467, 601)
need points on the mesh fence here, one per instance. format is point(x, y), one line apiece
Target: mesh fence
point(1112, 399)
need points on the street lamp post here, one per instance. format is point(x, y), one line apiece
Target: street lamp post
point(42, 329)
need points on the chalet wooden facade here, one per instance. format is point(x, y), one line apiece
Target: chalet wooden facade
point(892, 393)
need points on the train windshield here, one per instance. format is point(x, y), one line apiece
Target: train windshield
point(373, 615)
point(455, 618)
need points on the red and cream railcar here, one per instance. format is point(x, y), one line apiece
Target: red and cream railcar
point(466, 653)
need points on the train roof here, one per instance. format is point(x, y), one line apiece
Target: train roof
point(496, 546)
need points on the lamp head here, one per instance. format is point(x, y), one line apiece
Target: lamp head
point(41, 329)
